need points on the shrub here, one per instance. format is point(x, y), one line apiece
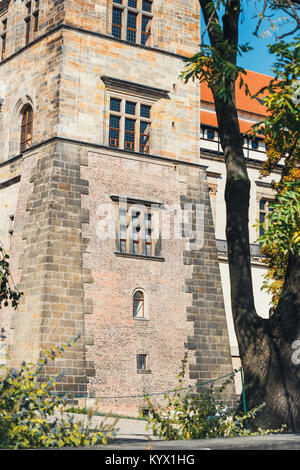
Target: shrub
point(31, 412)
point(198, 415)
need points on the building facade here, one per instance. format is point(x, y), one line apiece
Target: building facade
point(250, 111)
point(105, 206)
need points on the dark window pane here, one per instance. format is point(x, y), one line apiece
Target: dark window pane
point(118, 1)
point(262, 204)
point(115, 104)
point(129, 107)
point(146, 31)
point(129, 134)
point(114, 131)
point(254, 144)
point(146, 5)
point(138, 305)
point(131, 27)
point(210, 134)
point(132, 3)
point(145, 111)
point(141, 361)
point(117, 23)
point(144, 137)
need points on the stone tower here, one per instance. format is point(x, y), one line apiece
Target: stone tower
point(104, 201)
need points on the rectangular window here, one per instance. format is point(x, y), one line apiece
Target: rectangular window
point(146, 5)
point(130, 119)
point(146, 31)
point(129, 136)
point(264, 210)
point(114, 131)
point(137, 225)
point(117, 23)
point(3, 38)
point(130, 107)
point(132, 25)
point(141, 361)
point(144, 137)
point(36, 21)
point(27, 30)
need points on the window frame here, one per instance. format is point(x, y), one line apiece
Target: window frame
point(126, 10)
point(135, 316)
point(24, 115)
point(31, 20)
point(124, 117)
point(125, 225)
point(4, 24)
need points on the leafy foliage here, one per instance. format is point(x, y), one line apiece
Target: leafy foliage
point(198, 415)
point(31, 413)
point(281, 130)
point(8, 293)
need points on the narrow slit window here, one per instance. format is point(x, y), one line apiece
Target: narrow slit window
point(27, 30)
point(26, 129)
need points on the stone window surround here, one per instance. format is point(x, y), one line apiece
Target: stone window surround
point(136, 92)
point(135, 117)
point(145, 316)
point(263, 191)
point(31, 19)
point(127, 203)
point(15, 124)
point(142, 352)
point(139, 12)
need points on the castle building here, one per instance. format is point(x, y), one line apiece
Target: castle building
point(109, 196)
point(103, 196)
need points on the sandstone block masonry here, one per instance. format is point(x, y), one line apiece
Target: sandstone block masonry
point(75, 281)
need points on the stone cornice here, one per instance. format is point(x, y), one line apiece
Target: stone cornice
point(135, 88)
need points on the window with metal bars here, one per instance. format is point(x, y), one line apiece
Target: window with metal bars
point(26, 128)
point(132, 21)
point(141, 360)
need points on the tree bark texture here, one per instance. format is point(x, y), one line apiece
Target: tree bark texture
point(266, 346)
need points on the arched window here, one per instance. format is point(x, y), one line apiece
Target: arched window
point(138, 304)
point(26, 128)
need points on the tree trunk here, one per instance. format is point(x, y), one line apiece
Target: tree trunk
point(269, 361)
point(266, 346)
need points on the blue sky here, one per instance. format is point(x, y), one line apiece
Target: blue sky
point(259, 59)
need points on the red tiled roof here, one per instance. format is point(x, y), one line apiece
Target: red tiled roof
point(210, 119)
point(255, 82)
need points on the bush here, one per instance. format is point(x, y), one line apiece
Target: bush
point(199, 415)
point(31, 412)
